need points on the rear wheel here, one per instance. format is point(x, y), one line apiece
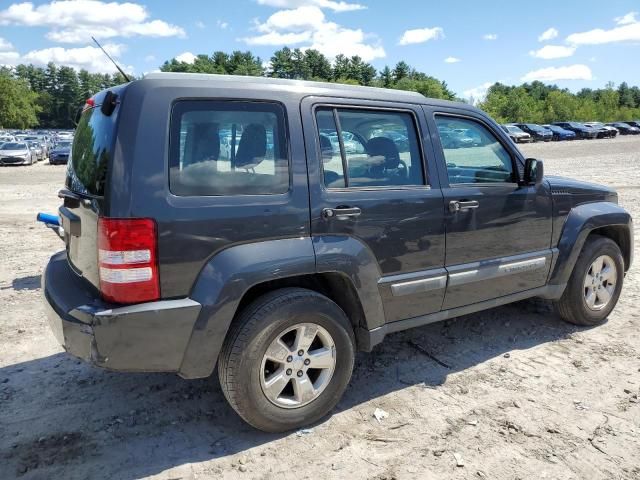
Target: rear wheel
point(287, 359)
point(595, 283)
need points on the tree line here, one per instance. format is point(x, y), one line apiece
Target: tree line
point(539, 103)
point(48, 97)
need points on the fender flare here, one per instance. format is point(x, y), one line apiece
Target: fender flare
point(228, 275)
point(581, 221)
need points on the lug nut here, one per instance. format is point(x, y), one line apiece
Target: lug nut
point(307, 361)
point(289, 358)
point(300, 353)
point(289, 371)
point(299, 373)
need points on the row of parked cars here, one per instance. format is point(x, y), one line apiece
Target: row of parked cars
point(29, 147)
point(531, 132)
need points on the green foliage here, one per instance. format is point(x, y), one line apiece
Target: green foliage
point(540, 103)
point(18, 103)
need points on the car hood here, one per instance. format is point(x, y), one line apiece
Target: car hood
point(581, 191)
point(61, 150)
point(10, 153)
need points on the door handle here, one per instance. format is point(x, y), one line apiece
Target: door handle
point(463, 205)
point(341, 213)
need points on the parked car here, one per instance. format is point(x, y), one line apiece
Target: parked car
point(7, 138)
point(278, 270)
point(560, 133)
point(60, 153)
point(604, 131)
point(625, 128)
point(37, 148)
point(633, 123)
point(17, 153)
point(517, 135)
point(581, 131)
point(536, 131)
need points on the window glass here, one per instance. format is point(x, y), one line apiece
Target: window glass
point(472, 152)
point(228, 148)
point(380, 148)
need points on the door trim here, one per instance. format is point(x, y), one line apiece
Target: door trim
point(496, 268)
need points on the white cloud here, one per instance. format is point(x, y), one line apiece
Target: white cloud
point(88, 58)
point(477, 93)
point(9, 58)
point(421, 35)
point(552, 74)
point(451, 60)
point(548, 34)
point(307, 25)
point(629, 32)
point(5, 45)
point(549, 52)
point(75, 21)
point(339, 6)
point(627, 19)
point(200, 24)
point(186, 57)
point(222, 24)
point(150, 58)
point(490, 36)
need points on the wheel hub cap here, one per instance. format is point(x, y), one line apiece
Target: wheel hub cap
point(298, 365)
point(600, 283)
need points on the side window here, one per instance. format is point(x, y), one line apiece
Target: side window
point(228, 148)
point(374, 148)
point(472, 152)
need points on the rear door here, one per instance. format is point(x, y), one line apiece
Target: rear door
point(84, 192)
point(371, 178)
point(498, 231)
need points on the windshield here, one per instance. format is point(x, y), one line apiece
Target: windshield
point(63, 145)
point(513, 129)
point(13, 146)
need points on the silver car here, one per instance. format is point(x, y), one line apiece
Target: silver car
point(17, 153)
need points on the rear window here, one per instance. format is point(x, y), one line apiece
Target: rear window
point(93, 146)
point(228, 148)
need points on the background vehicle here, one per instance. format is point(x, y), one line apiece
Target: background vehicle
point(625, 128)
point(17, 153)
point(517, 135)
point(278, 264)
point(536, 131)
point(36, 147)
point(560, 133)
point(59, 154)
point(604, 131)
point(581, 131)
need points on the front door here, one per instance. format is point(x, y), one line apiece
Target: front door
point(370, 182)
point(498, 231)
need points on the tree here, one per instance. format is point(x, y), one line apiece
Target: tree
point(401, 70)
point(18, 103)
point(282, 63)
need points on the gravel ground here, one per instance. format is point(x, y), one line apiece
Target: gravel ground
point(515, 393)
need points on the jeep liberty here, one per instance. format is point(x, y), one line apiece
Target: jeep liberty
point(274, 227)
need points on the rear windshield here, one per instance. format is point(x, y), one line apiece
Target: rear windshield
point(92, 150)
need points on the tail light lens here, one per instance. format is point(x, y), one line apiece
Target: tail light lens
point(127, 258)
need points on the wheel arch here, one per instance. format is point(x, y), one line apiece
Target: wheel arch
point(346, 272)
point(598, 218)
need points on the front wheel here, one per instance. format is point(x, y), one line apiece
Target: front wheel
point(287, 359)
point(595, 283)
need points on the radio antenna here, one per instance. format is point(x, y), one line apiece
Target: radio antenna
point(112, 60)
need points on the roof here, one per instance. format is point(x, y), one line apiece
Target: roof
point(303, 87)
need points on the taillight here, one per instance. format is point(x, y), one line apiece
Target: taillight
point(127, 259)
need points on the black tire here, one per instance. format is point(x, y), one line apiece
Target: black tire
point(259, 324)
point(572, 306)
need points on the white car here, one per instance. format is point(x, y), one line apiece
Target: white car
point(17, 153)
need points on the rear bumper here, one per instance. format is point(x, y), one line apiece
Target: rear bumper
point(148, 337)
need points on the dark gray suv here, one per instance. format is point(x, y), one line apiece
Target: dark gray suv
point(276, 227)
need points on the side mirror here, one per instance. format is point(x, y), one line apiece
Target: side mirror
point(533, 172)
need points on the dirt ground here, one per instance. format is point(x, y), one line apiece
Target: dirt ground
point(514, 393)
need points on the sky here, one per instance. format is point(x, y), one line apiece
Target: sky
point(468, 44)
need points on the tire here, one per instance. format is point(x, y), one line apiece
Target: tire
point(572, 306)
point(242, 362)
